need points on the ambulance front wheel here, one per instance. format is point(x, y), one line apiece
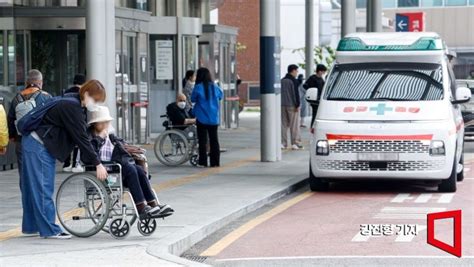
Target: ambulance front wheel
point(449, 185)
point(317, 183)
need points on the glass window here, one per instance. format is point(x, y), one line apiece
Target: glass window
point(397, 82)
point(431, 3)
point(389, 3)
point(471, 2)
point(455, 2)
point(361, 4)
point(189, 53)
point(20, 58)
point(408, 3)
point(48, 3)
point(1, 58)
point(11, 58)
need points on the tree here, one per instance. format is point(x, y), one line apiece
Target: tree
point(322, 55)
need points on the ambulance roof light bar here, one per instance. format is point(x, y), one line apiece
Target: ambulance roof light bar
point(422, 44)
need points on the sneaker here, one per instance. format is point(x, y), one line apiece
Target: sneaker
point(148, 212)
point(295, 147)
point(67, 169)
point(77, 169)
point(30, 234)
point(302, 126)
point(165, 208)
point(164, 211)
point(283, 146)
point(59, 236)
point(300, 146)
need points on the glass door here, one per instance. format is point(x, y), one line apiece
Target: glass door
point(126, 81)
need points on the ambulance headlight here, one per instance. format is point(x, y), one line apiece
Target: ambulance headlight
point(437, 148)
point(322, 148)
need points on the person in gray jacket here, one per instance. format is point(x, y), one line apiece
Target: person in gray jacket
point(290, 105)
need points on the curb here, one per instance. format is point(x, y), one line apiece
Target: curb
point(171, 247)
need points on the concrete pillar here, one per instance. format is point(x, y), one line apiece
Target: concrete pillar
point(205, 12)
point(100, 44)
point(309, 35)
point(270, 119)
point(348, 19)
point(374, 16)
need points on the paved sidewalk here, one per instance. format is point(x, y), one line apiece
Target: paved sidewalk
point(204, 200)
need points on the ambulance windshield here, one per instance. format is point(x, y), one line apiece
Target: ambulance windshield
point(385, 81)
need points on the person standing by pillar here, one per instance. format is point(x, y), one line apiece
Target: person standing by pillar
point(290, 107)
point(206, 97)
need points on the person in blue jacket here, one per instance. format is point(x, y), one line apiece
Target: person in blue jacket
point(206, 97)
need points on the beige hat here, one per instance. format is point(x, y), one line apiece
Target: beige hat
point(102, 114)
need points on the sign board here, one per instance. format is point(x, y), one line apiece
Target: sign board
point(410, 22)
point(164, 60)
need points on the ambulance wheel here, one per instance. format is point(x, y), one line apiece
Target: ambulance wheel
point(449, 185)
point(316, 183)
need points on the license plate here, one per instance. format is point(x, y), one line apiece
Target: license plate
point(377, 156)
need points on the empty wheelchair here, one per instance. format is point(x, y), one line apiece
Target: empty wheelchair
point(176, 145)
point(85, 205)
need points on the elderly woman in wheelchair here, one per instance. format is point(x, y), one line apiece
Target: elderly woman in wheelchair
point(103, 202)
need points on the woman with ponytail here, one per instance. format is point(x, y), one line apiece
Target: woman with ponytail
point(206, 97)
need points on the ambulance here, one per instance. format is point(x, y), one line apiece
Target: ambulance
point(390, 109)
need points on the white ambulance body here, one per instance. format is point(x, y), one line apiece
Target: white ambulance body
point(389, 110)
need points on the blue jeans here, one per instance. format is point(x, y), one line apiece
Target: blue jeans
point(39, 213)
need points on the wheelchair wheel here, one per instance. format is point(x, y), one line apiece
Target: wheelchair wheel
point(172, 148)
point(82, 205)
point(194, 160)
point(116, 210)
point(117, 230)
point(146, 226)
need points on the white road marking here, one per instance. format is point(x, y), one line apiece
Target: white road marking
point(423, 198)
point(446, 198)
point(401, 197)
point(361, 238)
point(467, 169)
point(406, 213)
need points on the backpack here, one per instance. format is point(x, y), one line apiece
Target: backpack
point(32, 120)
point(24, 105)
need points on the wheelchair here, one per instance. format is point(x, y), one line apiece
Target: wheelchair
point(175, 146)
point(85, 205)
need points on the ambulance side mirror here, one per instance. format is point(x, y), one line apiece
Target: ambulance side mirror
point(311, 96)
point(463, 95)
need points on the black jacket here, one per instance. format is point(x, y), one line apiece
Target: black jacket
point(314, 82)
point(64, 126)
point(73, 89)
point(176, 115)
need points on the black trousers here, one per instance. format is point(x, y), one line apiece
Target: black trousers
point(135, 178)
point(68, 162)
point(203, 132)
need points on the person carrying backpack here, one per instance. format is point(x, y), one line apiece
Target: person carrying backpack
point(49, 133)
point(22, 103)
